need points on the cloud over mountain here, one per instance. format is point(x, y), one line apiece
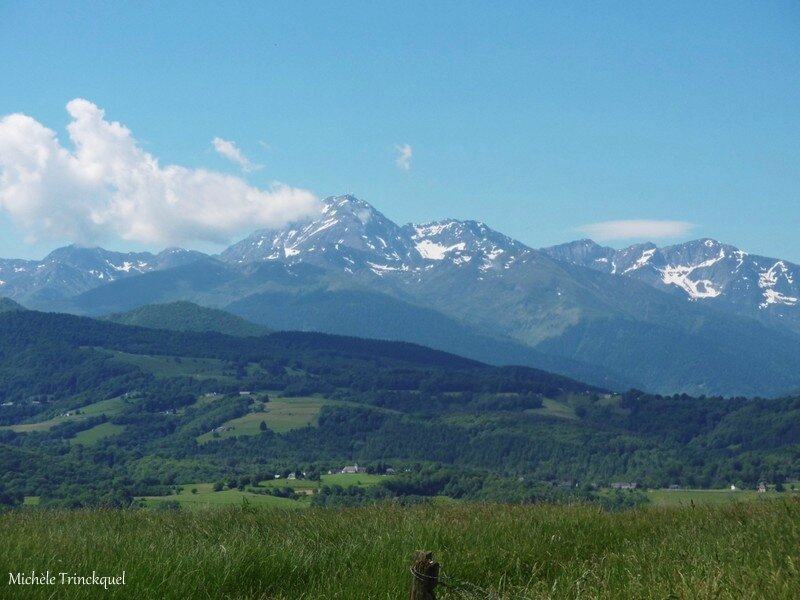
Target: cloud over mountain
point(108, 185)
point(636, 228)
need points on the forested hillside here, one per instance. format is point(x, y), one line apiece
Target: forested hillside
point(187, 316)
point(95, 412)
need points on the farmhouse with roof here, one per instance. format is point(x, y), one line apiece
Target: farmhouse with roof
point(353, 469)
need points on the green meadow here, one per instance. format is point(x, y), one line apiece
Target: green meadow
point(343, 479)
point(109, 408)
point(553, 408)
point(689, 497)
point(202, 495)
point(734, 551)
point(99, 432)
point(280, 414)
point(175, 366)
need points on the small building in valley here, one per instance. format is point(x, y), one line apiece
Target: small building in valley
point(624, 485)
point(353, 469)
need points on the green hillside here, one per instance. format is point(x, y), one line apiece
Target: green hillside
point(94, 413)
point(187, 316)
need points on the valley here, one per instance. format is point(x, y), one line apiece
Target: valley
point(372, 301)
point(119, 412)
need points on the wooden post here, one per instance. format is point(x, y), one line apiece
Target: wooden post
point(424, 576)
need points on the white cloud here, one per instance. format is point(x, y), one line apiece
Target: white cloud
point(636, 228)
point(232, 152)
point(404, 155)
point(107, 185)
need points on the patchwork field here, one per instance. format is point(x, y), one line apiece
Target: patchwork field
point(202, 495)
point(173, 366)
point(205, 496)
point(343, 479)
point(109, 408)
point(552, 408)
point(91, 436)
point(279, 414)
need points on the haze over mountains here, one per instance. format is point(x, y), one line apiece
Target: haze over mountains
point(701, 317)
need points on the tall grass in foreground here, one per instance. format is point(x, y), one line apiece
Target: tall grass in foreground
point(740, 551)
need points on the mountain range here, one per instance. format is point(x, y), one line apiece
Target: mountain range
point(701, 317)
point(706, 271)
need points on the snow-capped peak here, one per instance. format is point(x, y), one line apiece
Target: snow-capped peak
point(462, 242)
point(349, 232)
point(703, 269)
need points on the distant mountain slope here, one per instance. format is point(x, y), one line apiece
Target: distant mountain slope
point(612, 318)
point(39, 329)
point(306, 297)
point(71, 270)
point(186, 282)
point(8, 305)
point(467, 271)
point(703, 271)
point(374, 315)
point(187, 316)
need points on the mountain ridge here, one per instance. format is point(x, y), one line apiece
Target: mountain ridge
point(488, 291)
point(702, 270)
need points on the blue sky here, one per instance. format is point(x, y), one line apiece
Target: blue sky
point(537, 118)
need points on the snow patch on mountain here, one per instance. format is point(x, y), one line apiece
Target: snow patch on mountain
point(431, 230)
point(381, 270)
point(433, 251)
point(768, 279)
point(703, 288)
point(642, 261)
point(312, 231)
point(680, 276)
point(494, 253)
point(125, 266)
point(740, 255)
point(773, 297)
